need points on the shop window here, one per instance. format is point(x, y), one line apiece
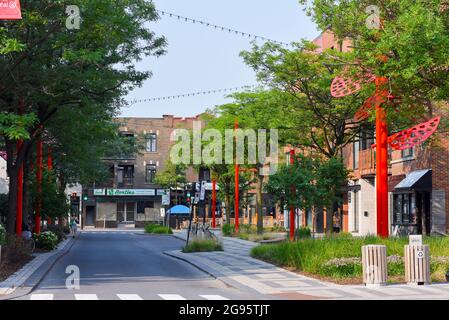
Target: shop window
point(405, 211)
point(142, 205)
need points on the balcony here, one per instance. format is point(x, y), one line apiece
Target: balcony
point(367, 163)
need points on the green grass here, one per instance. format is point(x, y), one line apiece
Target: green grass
point(157, 229)
point(322, 257)
point(202, 245)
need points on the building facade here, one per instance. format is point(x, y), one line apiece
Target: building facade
point(131, 197)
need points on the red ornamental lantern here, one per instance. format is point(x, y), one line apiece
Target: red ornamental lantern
point(10, 10)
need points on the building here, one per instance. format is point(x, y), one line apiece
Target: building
point(418, 180)
point(131, 197)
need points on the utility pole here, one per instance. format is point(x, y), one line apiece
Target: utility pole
point(214, 203)
point(37, 218)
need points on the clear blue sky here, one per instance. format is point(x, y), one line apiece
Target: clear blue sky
point(201, 58)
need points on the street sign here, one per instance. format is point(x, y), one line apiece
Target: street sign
point(203, 190)
point(197, 198)
point(162, 212)
point(166, 199)
point(415, 240)
point(10, 10)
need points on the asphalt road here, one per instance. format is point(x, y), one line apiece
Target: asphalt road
point(130, 266)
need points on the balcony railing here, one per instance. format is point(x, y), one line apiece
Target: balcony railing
point(367, 163)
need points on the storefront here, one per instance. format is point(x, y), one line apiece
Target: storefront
point(115, 207)
point(411, 204)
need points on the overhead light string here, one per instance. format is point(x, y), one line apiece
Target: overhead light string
point(221, 28)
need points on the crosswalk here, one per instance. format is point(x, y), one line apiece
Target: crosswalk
point(123, 296)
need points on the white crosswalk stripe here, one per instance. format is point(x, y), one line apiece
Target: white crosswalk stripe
point(129, 297)
point(86, 297)
point(171, 297)
point(42, 296)
point(213, 297)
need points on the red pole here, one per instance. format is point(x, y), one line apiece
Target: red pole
point(292, 209)
point(381, 165)
point(50, 168)
point(236, 202)
point(37, 218)
point(19, 200)
point(214, 203)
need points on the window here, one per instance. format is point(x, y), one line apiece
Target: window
point(142, 205)
point(125, 176)
point(404, 206)
point(355, 154)
point(150, 173)
point(151, 142)
point(356, 212)
point(407, 153)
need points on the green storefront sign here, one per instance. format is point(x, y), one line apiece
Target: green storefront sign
point(130, 192)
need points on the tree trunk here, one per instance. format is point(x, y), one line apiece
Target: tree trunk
point(259, 204)
point(12, 196)
point(26, 194)
point(228, 207)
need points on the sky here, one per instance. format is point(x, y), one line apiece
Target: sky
point(200, 59)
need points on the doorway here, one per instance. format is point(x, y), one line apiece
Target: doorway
point(126, 211)
point(90, 214)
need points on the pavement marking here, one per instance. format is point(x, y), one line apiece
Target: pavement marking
point(42, 296)
point(171, 297)
point(129, 297)
point(213, 297)
point(86, 297)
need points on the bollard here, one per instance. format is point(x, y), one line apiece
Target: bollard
point(417, 264)
point(374, 263)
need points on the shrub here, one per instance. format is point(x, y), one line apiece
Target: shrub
point(303, 232)
point(228, 230)
point(157, 229)
point(203, 245)
point(46, 240)
point(2, 235)
point(15, 249)
point(58, 231)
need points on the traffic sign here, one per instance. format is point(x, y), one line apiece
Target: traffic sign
point(203, 190)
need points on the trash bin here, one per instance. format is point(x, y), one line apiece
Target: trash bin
point(417, 264)
point(374, 263)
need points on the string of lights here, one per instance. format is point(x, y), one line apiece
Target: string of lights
point(192, 94)
point(221, 28)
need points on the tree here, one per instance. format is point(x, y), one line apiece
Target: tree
point(315, 120)
point(172, 177)
point(410, 47)
point(47, 69)
point(261, 110)
point(317, 183)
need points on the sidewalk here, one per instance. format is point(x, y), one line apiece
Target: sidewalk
point(28, 275)
point(236, 268)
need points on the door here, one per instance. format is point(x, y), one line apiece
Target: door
point(90, 213)
point(356, 212)
point(130, 211)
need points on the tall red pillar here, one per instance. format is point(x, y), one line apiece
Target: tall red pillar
point(236, 202)
point(214, 202)
point(37, 218)
point(292, 209)
point(381, 165)
point(19, 198)
point(50, 168)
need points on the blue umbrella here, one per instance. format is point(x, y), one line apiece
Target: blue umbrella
point(179, 210)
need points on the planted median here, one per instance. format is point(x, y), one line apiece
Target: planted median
point(338, 258)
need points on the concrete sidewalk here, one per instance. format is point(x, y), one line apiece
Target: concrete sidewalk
point(235, 267)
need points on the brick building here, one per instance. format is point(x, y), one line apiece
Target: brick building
point(131, 197)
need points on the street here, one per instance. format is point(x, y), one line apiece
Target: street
point(130, 265)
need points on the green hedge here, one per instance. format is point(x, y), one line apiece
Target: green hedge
point(46, 240)
point(157, 229)
point(203, 245)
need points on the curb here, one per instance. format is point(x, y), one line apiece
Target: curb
point(21, 278)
